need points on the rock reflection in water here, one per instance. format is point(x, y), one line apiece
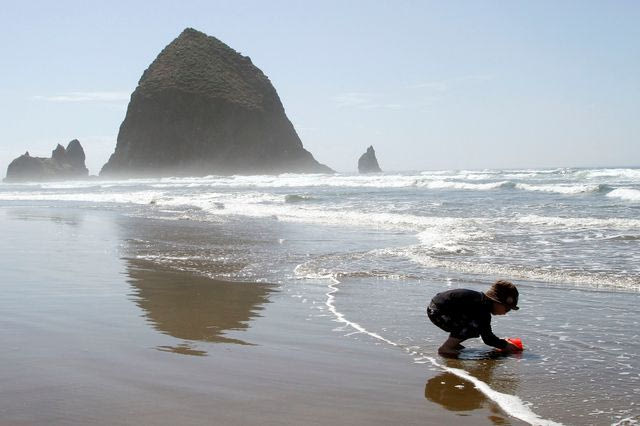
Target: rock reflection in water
point(194, 308)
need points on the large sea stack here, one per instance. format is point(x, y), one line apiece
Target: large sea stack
point(202, 108)
point(64, 164)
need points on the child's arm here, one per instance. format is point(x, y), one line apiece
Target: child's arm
point(492, 340)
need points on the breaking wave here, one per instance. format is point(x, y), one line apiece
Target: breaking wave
point(295, 198)
point(443, 184)
point(622, 281)
point(627, 194)
point(579, 222)
point(564, 188)
point(633, 174)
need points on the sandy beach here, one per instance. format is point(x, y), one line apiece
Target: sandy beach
point(93, 336)
point(240, 213)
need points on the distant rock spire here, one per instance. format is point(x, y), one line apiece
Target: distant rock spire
point(75, 154)
point(368, 163)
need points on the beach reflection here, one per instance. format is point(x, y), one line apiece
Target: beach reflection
point(194, 308)
point(457, 394)
point(62, 217)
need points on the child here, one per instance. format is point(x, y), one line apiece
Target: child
point(466, 314)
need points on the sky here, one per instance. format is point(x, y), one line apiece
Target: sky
point(431, 85)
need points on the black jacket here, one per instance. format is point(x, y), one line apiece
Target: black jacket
point(469, 305)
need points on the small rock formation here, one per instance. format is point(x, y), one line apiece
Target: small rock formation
point(368, 163)
point(202, 108)
point(63, 164)
point(75, 156)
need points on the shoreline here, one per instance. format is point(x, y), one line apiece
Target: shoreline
point(101, 340)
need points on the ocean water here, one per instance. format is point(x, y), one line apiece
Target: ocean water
point(368, 253)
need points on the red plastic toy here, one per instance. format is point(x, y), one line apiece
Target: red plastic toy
point(515, 341)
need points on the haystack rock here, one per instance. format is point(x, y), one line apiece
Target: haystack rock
point(202, 108)
point(368, 163)
point(63, 164)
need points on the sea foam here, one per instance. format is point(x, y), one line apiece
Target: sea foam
point(627, 194)
point(625, 174)
point(579, 222)
point(135, 197)
point(561, 188)
point(423, 257)
point(442, 184)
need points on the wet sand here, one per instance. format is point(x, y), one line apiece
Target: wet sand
point(92, 335)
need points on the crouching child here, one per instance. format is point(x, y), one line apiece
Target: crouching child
point(466, 314)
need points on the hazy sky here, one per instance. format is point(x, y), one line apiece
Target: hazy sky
point(431, 85)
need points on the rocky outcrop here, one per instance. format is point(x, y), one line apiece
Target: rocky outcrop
point(75, 155)
point(64, 164)
point(202, 108)
point(368, 163)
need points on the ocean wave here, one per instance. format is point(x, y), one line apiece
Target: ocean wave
point(624, 237)
point(305, 180)
point(444, 233)
point(548, 275)
point(472, 175)
point(306, 272)
point(291, 181)
point(450, 235)
point(136, 197)
point(579, 222)
point(625, 194)
point(296, 198)
point(347, 180)
point(361, 265)
point(263, 205)
point(443, 184)
point(451, 239)
point(384, 181)
point(630, 174)
point(463, 180)
point(564, 188)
